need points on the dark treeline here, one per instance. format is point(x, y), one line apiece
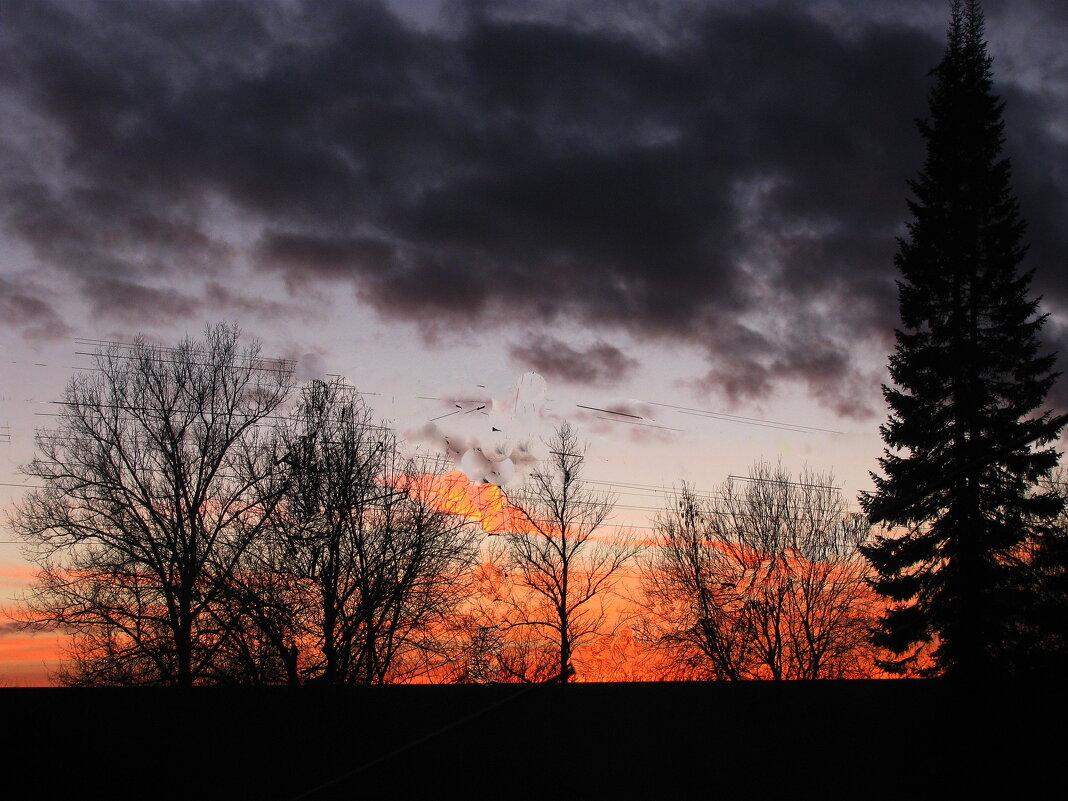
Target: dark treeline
point(191, 530)
point(199, 521)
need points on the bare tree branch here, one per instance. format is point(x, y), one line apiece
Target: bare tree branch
point(147, 505)
point(763, 580)
point(561, 574)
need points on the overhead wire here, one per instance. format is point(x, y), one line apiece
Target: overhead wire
point(800, 428)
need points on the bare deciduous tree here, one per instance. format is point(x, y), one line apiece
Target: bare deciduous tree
point(560, 561)
point(762, 579)
point(148, 501)
point(370, 569)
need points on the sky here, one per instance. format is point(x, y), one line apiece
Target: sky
point(662, 208)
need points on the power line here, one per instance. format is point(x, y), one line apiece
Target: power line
point(780, 481)
point(633, 423)
point(757, 421)
point(609, 411)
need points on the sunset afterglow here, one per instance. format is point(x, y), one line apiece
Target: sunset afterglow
point(298, 297)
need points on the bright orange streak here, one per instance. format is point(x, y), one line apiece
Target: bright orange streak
point(20, 648)
point(25, 657)
point(17, 574)
point(619, 656)
point(455, 494)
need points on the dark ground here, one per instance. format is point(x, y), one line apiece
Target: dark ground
point(899, 739)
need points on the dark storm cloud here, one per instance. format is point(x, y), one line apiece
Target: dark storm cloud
point(225, 300)
point(598, 364)
point(34, 317)
point(132, 302)
point(731, 176)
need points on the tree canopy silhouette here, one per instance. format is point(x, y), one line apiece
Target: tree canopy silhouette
point(761, 579)
point(357, 573)
point(561, 560)
point(149, 497)
point(966, 428)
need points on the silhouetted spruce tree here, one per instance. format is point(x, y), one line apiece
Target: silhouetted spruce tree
point(964, 434)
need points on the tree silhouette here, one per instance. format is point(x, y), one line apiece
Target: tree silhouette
point(1043, 621)
point(357, 574)
point(762, 579)
point(149, 498)
point(561, 563)
point(968, 384)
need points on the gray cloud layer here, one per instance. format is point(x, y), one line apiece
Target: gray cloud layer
point(729, 176)
point(599, 364)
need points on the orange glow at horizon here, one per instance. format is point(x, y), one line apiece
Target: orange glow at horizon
point(484, 504)
point(617, 653)
point(26, 658)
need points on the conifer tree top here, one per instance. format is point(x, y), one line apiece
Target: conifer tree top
point(966, 426)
